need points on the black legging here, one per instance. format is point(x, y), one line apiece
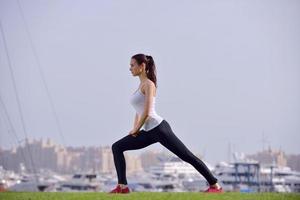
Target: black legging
point(164, 135)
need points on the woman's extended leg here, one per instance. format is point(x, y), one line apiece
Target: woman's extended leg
point(129, 142)
point(168, 139)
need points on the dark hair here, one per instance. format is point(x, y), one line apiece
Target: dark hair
point(150, 66)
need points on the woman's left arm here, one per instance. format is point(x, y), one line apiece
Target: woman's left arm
point(149, 91)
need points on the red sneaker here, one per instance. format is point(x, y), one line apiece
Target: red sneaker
point(214, 190)
point(118, 189)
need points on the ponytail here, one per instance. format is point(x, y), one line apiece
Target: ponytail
point(151, 69)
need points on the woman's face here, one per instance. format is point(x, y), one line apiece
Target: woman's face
point(135, 68)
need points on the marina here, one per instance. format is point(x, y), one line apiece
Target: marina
point(172, 175)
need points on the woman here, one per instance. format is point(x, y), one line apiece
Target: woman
point(150, 128)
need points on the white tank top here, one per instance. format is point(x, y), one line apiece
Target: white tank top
point(138, 101)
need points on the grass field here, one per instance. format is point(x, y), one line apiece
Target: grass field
point(144, 196)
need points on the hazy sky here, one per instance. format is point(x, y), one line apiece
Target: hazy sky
point(228, 71)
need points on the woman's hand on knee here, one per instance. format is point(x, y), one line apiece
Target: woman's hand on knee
point(134, 132)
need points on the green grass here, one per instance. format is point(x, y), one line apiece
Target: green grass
point(144, 196)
